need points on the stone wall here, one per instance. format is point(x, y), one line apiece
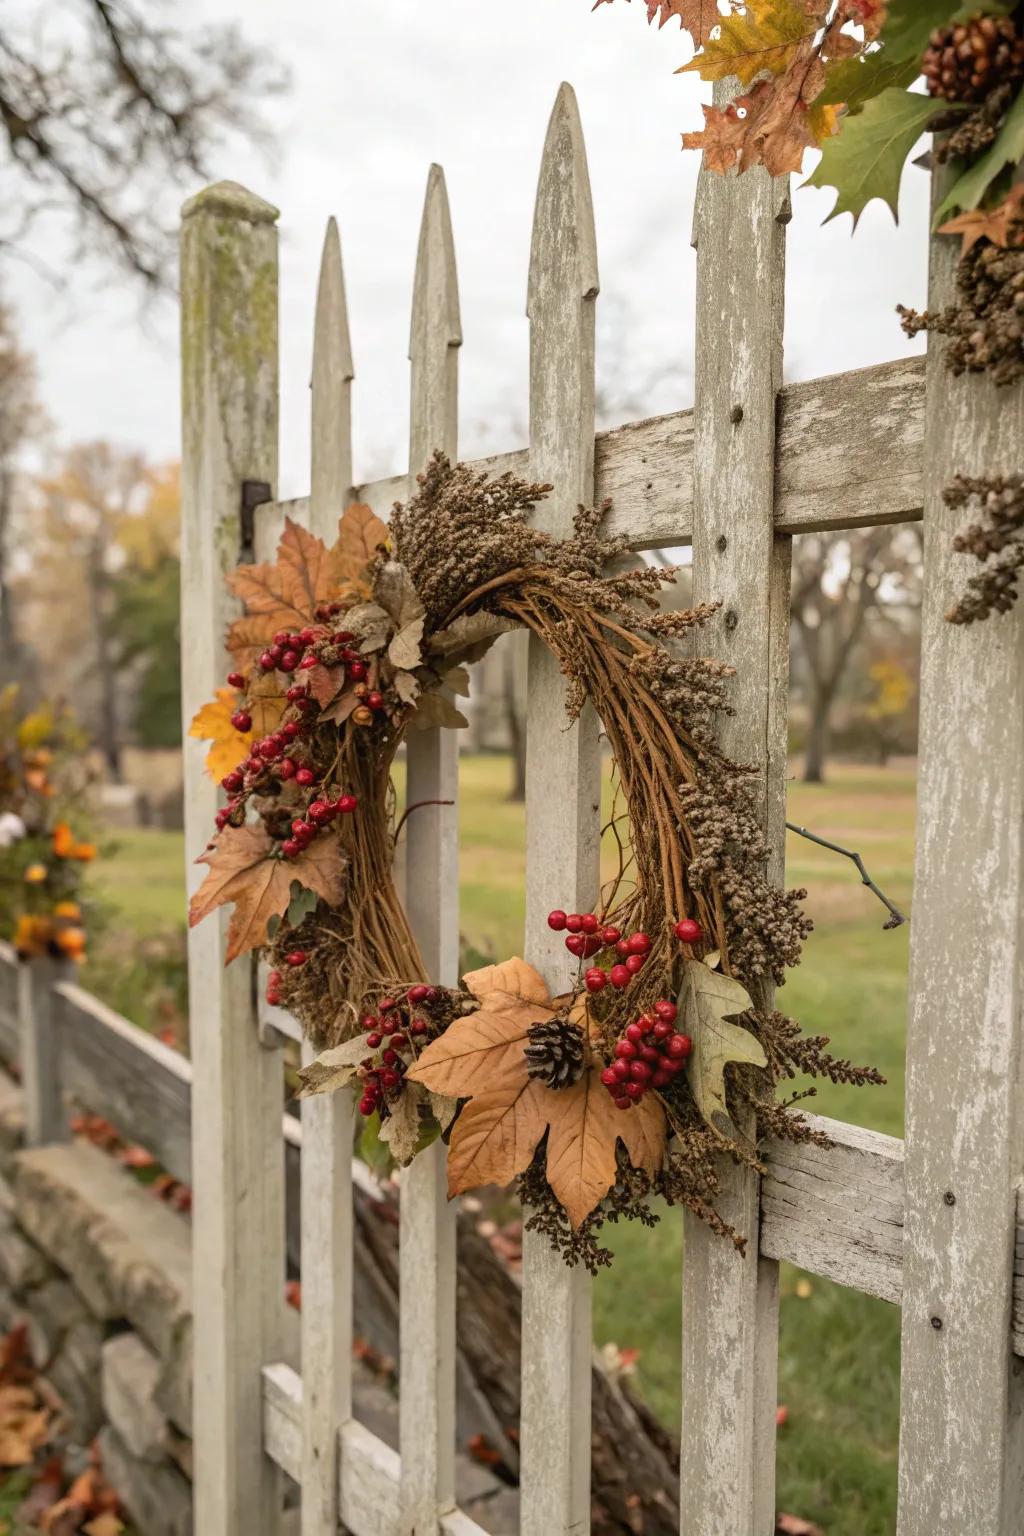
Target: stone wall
point(99, 1271)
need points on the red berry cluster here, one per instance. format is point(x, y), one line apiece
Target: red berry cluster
point(280, 756)
point(649, 1055)
point(389, 1035)
point(294, 958)
point(587, 936)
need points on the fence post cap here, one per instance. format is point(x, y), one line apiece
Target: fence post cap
point(229, 197)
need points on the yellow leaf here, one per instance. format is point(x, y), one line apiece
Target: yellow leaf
point(213, 724)
point(763, 37)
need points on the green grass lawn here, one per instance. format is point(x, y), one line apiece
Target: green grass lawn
point(839, 1352)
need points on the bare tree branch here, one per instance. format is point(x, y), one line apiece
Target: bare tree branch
point(896, 917)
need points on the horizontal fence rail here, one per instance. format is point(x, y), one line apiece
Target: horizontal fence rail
point(836, 1212)
point(849, 454)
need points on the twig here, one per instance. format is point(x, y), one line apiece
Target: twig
point(416, 805)
point(897, 917)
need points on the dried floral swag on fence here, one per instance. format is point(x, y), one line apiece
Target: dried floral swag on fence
point(665, 1051)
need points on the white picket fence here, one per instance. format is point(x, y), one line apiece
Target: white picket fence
point(930, 1223)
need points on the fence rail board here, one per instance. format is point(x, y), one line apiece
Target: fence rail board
point(849, 454)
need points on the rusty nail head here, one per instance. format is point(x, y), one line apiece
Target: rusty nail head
point(736, 415)
point(732, 618)
point(936, 1323)
point(723, 543)
point(949, 1197)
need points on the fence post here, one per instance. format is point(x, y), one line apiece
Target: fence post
point(730, 1321)
point(326, 1192)
point(427, 1222)
point(46, 1118)
point(562, 828)
point(229, 416)
point(962, 1391)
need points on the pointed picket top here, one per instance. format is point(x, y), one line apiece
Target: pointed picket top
point(331, 437)
point(435, 296)
point(563, 250)
point(435, 332)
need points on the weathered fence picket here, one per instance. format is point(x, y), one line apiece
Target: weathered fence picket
point(327, 1121)
point(563, 827)
point(962, 1442)
point(730, 1356)
point(229, 430)
point(427, 1226)
point(753, 464)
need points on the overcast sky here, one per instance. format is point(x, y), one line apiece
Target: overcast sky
point(378, 91)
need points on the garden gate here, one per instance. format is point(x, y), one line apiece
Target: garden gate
point(930, 1223)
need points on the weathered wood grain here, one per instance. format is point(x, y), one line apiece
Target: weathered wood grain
point(427, 1225)
point(114, 1069)
point(837, 1212)
point(561, 826)
point(849, 454)
point(730, 1302)
point(370, 1473)
point(962, 1394)
point(10, 1043)
point(229, 417)
point(46, 1117)
point(326, 1185)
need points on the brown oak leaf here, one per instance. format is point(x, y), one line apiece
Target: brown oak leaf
point(324, 682)
point(480, 1057)
point(360, 532)
point(244, 869)
point(212, 723)
point(266, 704)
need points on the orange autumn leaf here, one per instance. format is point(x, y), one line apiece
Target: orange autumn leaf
point(246, 869)
point(1002, 225)
point(247, 637)
point(582, 1134)
point(480, 1052)
point(496, 1135)
point(266, 704)
point(360, 531)
point(213, 724)
point(286, 594)
point(481, 1057)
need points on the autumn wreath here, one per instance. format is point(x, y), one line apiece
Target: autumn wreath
point(660, 1057)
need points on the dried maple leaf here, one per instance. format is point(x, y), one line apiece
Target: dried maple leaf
point(247, 637)
point(764, 36)
point(496, 1135)
point(1001, 225)
point(698, 17)
point(245, 869)
point(266, 703)
point(286, 595)
point(212, 723)
point(707, 1001)
point(484, 1050)
point(582, 1134)
point(360, 533)
point(480, 1057)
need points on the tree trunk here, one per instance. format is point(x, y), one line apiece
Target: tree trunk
point(635, 1463)
point(109, 735)
point(818, 739)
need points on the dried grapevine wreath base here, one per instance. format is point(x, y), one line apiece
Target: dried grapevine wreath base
point(660, 1057)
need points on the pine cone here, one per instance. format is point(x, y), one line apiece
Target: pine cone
point(964, 62)
point(555, 1052)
